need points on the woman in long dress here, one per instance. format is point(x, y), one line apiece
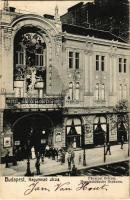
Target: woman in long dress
point(33, 153)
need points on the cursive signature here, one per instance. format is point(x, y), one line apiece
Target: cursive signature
point(34, 187)
point(66, 186)
point(85, 185)
point(63, 187)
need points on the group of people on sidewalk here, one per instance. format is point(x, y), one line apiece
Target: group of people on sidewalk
point(61, 156)
point(108, 150)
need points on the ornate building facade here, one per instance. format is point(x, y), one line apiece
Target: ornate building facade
point(59, 83)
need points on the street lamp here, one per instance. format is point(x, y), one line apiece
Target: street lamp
point(84, 158)
point(84, 154)
point(104, 147)
point(28, 170)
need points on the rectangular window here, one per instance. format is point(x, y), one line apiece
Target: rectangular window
point(76, 60)
point(102, 62)
point(39, 59)
point(97, 62)
point(70, 60)
point(20, 57)
point(124, 65)
point(120, 65)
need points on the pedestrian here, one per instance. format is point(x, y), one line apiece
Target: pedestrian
point(74, 171)
point(72, 157)
point(7, 159)
point(69, 161)
point(33, 153)
point(80, 158)
point(56, 154)
point(37, 165)
point(108, 148)
point(53, 153)
point(47, 150)
point(42, 158)
point(122, 142)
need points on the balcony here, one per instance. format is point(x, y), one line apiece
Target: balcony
point(35, 103)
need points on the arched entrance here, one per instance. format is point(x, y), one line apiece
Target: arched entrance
point(73, 133)
point(32, 131)
point(100, 131)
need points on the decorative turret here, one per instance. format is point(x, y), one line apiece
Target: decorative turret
point(57, 17)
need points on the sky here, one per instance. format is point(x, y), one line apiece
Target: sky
point(42, 7)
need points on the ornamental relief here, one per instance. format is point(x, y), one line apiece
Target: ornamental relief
point(30, 61)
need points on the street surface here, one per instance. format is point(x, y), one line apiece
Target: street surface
point(94, 158)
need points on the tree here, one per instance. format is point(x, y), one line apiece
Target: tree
point(119, 118)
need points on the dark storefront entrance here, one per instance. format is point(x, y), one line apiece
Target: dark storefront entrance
point(100, 132)
point(73, 133)
point(31, 131)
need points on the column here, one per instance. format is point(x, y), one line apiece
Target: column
point(1, 132)
point(87, 84)
point(90, 72)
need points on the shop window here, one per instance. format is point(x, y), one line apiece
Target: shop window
point(73, 133)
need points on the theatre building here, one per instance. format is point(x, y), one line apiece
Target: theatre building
point(59, 83)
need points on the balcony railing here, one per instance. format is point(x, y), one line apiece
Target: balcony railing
point(47, 102)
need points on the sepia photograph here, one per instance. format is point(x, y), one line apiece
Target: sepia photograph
point(64, 89)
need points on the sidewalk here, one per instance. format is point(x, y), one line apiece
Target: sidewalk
point(94, 157)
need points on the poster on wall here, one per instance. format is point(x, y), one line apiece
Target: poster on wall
point(7, 142)
point(58, 137)
point(64, 80)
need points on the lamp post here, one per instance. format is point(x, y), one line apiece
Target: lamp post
point(104, 147)
point(84, 153)
point(84, 158)
point(28, 170)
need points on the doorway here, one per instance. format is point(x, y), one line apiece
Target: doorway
point(31, 131)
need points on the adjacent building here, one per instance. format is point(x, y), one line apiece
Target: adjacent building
point(107, 15)
point(59, 83)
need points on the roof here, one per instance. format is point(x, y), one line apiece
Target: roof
point(79, 30)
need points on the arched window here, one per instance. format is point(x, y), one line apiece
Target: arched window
point(125, 91)
point(73, 133)
point(97, 92)
point(102, 92)
point(120, 92)
point(77, 91)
